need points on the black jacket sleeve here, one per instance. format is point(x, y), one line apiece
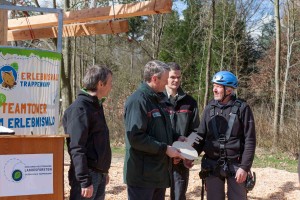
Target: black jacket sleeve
point(202, 131)
point(249, 137)
point(194, 123)
point(136, 123)
point(77, 126)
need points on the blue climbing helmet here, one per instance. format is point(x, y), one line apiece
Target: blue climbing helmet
point(225, 78)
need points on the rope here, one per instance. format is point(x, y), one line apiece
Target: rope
point(26, 14)
point(30, 28)
point(111, 27)
point(114, 9)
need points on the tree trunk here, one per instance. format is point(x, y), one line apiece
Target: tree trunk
point(153, 36)
point(209, 52)
point(223, 35)
point(74, 71)
point(200, 74)
point(290, 41)
point(81, 71)
point(66, 89)
point(277, 68)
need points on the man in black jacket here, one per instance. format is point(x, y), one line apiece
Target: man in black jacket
point(183, 110)
point(227, 126)
point(88, 144)
point(149, 136)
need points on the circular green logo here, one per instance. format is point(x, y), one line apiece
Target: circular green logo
point(17, 175)
point(2, 99)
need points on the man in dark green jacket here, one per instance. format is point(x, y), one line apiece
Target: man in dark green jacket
point(183, 110)
point(149, 136)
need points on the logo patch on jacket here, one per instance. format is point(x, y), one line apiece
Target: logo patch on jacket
point(156, 114)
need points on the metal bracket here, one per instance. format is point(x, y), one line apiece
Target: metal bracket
point(4, 6)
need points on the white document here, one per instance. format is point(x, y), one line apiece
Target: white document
point(5, 130)
point(26, 174)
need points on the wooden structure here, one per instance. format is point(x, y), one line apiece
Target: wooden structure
point(78, 23)
point(38, 144)
point(93, 14)
point(85, 29)
point(4, 24)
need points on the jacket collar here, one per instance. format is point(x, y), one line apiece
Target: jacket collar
point(180, 94)
point(229, 104)
point(148, 91)
point(87, 97)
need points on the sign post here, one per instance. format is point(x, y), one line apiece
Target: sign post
point(3, 23)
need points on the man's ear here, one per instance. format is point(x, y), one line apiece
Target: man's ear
point(228, 90)
point(154, 78)
point(100, 84)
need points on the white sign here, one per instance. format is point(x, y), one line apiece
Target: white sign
point(29, 90)
point(26, 174)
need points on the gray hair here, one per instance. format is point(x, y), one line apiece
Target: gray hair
point(155, 67)
point(93, 75)
point(174, 66)
point(232, 90)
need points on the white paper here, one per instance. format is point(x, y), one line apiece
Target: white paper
point(26, 174)
point(187, 151)
point(5, 130)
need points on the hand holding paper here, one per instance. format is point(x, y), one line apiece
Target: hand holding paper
point(186, 148)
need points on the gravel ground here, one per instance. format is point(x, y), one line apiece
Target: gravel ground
point(271, 183)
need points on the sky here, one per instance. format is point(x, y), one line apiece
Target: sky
point(179, 6)
point(256, 22)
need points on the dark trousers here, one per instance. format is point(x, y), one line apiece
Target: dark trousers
point(141, 193)
point(180, 180)
point(215, 182)
point(98, 181)
point(216, 189)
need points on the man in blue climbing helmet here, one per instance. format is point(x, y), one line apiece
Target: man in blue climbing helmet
point(224, 82)
point(229, 140)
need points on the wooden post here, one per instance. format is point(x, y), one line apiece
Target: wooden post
point(3, 27)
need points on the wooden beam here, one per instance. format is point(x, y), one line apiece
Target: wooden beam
point(85, 29)
point(3, 27)
point(93, 14)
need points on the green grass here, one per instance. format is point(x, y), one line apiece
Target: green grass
point(262, 159)
point(278, 161)
point(118, 151)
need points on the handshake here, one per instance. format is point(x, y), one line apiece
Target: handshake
point(183, 150)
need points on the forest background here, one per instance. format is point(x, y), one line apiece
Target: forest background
point(258, 40)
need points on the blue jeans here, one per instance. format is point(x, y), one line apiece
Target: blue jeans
point(98, 181)
point(141, 193)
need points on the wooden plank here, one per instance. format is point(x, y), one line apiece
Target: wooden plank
point(85, 29)
point(3, 27)
point(93, 14)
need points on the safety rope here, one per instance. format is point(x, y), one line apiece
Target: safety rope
point(110, 21)
point(29, 27)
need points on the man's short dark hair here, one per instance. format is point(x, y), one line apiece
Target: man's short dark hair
point(173, 66)
point(155, 67)
point(93, 75)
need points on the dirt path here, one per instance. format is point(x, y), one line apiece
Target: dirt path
point(272, 184)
